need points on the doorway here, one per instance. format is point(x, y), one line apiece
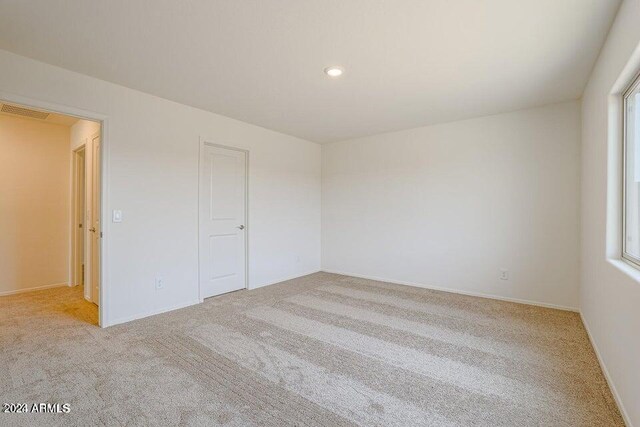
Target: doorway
point(56, 156)
point(223, 220)
point(87, 231)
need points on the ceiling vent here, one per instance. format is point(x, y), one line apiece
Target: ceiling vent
point(12, 109)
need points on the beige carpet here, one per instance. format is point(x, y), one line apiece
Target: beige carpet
point(320, 350)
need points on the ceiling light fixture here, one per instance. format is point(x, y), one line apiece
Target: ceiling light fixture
point(334, 71)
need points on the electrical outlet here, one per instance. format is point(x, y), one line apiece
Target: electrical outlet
point(159, 283)
point(504, 274)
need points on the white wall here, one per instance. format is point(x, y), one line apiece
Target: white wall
point(450, 205)
point(610, 291)
point(152, 151)
point(34, 204)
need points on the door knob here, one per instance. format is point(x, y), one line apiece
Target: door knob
point(241, 227)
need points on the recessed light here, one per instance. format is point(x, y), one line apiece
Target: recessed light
point(334, 71)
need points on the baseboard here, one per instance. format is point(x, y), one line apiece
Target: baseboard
point(607, 377)
point(457, 291)
point(150, 313)
point(179, 306)
point(35, 288)
point(297, 276)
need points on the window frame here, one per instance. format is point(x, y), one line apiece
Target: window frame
point(633, 86)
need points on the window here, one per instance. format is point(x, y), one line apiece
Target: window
point(631, 179)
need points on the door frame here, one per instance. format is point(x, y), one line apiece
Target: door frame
point(204, 142)
point(103, 119)
point(76, 259)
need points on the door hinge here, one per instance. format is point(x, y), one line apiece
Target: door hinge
point(101, 234)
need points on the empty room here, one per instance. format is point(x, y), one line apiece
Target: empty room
point(320, 213)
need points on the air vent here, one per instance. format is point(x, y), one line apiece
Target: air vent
point(12, 109)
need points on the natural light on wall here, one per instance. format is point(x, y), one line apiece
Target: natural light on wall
point(631, 250)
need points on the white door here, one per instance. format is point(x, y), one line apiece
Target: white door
point(94, 220)
point(222, 220)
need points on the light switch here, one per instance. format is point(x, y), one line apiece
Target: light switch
point(117, 216)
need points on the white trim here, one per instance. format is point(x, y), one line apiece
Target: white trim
point(152, 313)
point(35, 288)
point(457, 291)
point(103, 119)
point(105, 305)
point(296, 276)
point(207, 141)
point(612, 387)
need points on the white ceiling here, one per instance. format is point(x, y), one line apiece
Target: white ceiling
point(408, 62)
